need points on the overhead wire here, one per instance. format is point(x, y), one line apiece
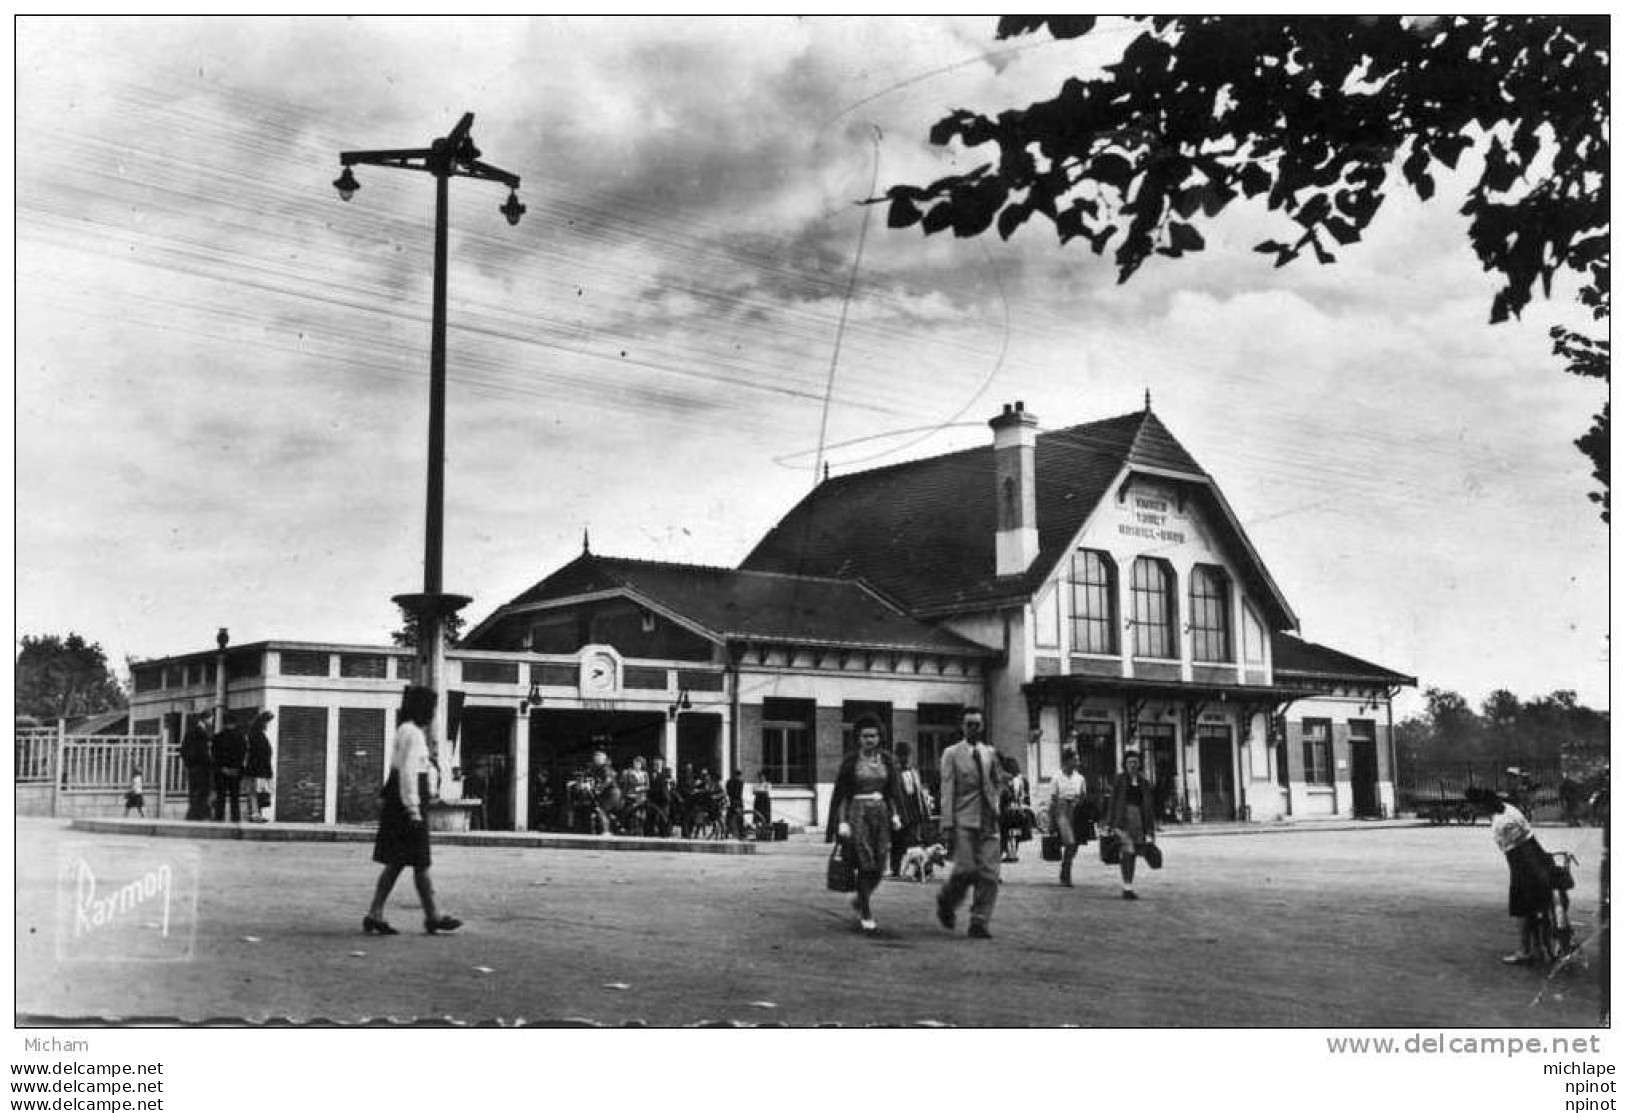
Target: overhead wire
point(1300, 446)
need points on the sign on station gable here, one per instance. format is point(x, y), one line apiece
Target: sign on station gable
point(1155, 519)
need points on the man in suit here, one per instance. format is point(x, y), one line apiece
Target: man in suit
point(195, 757)
point(227, 753)
point(971, 780)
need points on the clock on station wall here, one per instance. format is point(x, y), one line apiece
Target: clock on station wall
point(600, 673)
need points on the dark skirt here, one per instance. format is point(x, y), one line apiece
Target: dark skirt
point(401, 842)
point(871, 834)
point(1530, 892)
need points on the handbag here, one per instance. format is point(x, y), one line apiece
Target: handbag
point(1152, 853)
point(842, 875)
point(1111, 848)
point(1049, 848)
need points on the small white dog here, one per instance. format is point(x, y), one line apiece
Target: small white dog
point(920, 862)
point(913, 866)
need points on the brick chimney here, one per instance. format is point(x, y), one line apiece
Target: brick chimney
point(1015, 433)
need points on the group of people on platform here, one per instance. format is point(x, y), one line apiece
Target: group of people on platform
point(229, 769)
point(881, 807)
point(599, 794)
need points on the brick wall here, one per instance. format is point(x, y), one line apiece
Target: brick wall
point(750, 740)
point(827, 752)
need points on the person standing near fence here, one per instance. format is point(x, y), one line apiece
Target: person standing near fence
point(199, 773)
point(227, 753)
point(257, 768)
point(135, 800)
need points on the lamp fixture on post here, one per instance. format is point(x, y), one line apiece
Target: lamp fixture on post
point(683, 704)
point(511, 208)
point(346, 184)
point(534, 699)
point(453, 155)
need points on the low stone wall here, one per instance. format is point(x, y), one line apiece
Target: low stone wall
point(35, 800)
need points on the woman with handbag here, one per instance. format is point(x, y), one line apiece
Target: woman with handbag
point(1131, 818)
point(1015, 808)
point(1063, 804)
point(863, 813)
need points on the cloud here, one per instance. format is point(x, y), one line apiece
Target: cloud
point(240, 362)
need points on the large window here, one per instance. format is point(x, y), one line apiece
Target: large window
point(787, 741)
point(305, 662)
point(1094, 602)
point(1317, 751)
point(1210, 614)
point(1152, 590)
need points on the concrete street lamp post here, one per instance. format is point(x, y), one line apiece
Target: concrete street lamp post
point(452, 155)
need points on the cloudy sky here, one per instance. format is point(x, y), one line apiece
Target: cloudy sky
point(222, 370)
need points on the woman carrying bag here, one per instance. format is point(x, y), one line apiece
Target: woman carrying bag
point(1131, 818)
point(863, 813)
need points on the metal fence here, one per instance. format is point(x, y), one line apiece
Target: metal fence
point(1427, 787)
point(83, 763)
point(35, 756)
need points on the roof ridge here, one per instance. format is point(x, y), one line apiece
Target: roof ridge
point(642, 562)
point(687, 567)
point(967, 451)
point(899, 464)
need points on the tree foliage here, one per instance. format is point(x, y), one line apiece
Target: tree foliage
point(1318, 119)
point(65, 678)
point(1505, 731)
point(407, 636)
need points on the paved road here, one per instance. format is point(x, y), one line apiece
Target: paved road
point(1382, 927)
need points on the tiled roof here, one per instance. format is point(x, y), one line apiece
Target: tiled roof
point(750, 606)
point(923, 531)
point(1296, 657)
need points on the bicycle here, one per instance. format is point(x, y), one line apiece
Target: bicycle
point(745, 824)
point(607, 811)
point(704, 815)
point(1554, 938)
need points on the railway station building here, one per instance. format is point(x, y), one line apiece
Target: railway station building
point(1089, 587)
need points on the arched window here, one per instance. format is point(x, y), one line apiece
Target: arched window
point(1094, 603)
point(1152, 591)
point(1210, 614)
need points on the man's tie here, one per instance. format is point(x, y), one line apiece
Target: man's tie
point(981, 779)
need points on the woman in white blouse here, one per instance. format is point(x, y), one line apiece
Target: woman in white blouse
point(1529, 892)
point(403, 836)
point(1063, 806)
